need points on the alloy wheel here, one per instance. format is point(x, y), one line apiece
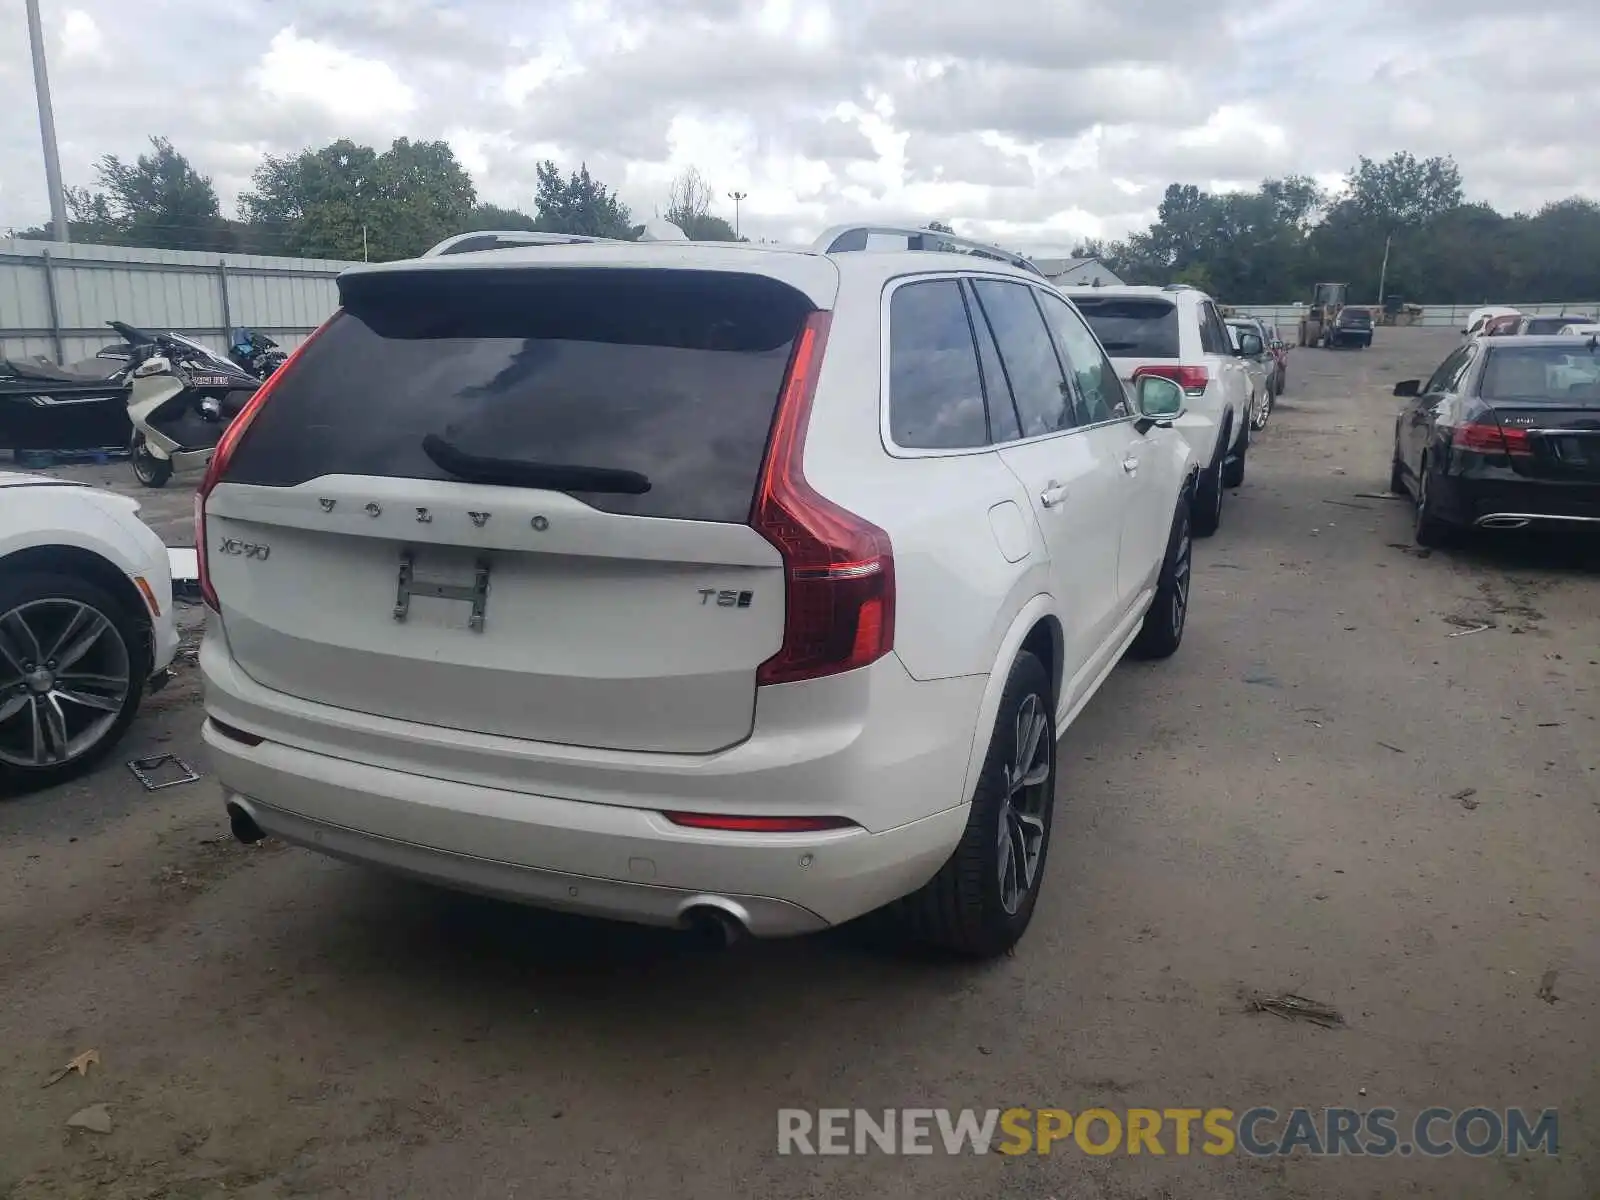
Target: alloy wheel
point(1022, 812)
point(1182, 566)
point(65, 675)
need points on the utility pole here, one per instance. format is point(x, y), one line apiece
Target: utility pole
point(1383, 275)
point(47, 127)
point(737, 198)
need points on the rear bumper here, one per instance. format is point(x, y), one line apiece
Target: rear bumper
point(1517, 503)
point(598, 860)
point(582, 829)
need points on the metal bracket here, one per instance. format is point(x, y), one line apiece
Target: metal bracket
point(476, 595)
point(143, 770)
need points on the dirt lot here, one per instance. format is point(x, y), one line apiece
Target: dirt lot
point(1283, 806)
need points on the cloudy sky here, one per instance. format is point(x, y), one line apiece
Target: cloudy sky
point(1031, 121)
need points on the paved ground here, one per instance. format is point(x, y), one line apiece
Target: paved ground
point(1279, 807)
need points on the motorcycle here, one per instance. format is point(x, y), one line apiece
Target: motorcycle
point(182, 398)
point(256, 353)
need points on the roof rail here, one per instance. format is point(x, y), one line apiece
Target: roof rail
point(502, 239)
point(843, 238)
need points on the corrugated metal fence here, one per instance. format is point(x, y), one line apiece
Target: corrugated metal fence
point(55, 300)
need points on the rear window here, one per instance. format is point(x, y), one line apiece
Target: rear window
point(1541, 373)
point(1551, 324)
point(1131, 327)
point(669, 375)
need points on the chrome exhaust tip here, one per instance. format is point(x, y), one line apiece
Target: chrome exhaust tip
point(717, 924)
point(244, 826)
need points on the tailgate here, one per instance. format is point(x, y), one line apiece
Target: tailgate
point(515, 502)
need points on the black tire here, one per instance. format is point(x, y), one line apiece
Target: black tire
point(963, 909)
point(1208, 495)
point(1266, 408)
point(1162, 631)
point(1283, 381)
point(1233, 466)
point(149, 470)
point(126, 635)
point(1430, 531)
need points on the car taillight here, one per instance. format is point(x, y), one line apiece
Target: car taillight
point(226, 445)
point(1190, 379)
point(1486, 437)
point(839, 568)
point(758, 824)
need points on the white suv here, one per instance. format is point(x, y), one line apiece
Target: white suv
point(688, 584)
point(1177, 332)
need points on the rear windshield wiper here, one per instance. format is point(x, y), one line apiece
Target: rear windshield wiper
point(517, 472)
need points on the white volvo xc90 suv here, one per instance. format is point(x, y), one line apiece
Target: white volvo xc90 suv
point(687, 582)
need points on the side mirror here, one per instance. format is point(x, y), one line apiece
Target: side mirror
point(1249, 345)
point(1158, 399)
point(155, 365)
point(1408, 387)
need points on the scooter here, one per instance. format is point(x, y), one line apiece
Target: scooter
point(182, 398)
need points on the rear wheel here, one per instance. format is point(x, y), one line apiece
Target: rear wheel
point(981, 901)
point(1429, 530)
point(1233, 466)
point(1162, 631)
point(1208, 496)
point(73, 661)
point(149, 470)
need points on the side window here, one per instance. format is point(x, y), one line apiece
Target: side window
point(1448, 370)
point(935, 392)
point(1004, 424)
point(1099, 389)
point(1043, 398)
point(1212, 339)
point(1453, 383)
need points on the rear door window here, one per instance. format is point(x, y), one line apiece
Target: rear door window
point(1044, 400)
point(1004, 423)
point(669, 375)
point(1214, 337)
point(935, 390)
point(1132, 326)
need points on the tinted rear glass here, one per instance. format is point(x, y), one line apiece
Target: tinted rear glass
point(1541, 373)
point(1551, 324)
point(1131, 327)
point(671, 374)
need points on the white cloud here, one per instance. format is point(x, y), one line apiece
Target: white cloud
point(1037, 123)
point(302, 71)
point(81, 37)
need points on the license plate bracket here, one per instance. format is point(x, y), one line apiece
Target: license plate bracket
point(475, 594)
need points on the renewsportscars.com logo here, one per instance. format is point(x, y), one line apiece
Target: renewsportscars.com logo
point(1260, 1132)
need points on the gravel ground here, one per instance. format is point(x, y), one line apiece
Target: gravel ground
point(1283, 807)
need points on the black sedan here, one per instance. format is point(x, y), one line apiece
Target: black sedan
point(1504, 435)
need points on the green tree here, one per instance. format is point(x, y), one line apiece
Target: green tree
point(493, 216)
point(1402, 190)
point(347, 201)
point(157, 200)
point(579, 204)
point(941, 227)
point(689, 208)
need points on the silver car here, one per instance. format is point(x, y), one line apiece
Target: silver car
point(1263, 367)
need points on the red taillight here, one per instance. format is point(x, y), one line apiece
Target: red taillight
point(758, 824)
point(226, 445)
point(1486, 437)
point(839, 568)
point(1190, 379)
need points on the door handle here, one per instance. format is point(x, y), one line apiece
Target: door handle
point(1053, 495)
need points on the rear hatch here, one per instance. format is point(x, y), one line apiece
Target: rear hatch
point(1355, 318)
point(1136, 331)
point(1547, 402)
point(515, 501)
